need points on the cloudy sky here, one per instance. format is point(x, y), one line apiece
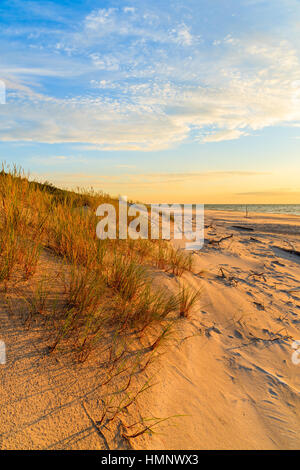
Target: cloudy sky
point(169, 101)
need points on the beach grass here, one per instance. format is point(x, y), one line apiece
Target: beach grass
point(107, 283)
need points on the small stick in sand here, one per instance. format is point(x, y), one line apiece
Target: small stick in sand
point(255, 274)
point(228, 278)
point(217, 242)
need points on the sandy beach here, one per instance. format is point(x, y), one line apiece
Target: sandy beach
point(225, 379)
point(149, 229)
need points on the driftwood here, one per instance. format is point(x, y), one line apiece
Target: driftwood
point(228, 277)
point(241, 227)
point(217, 242)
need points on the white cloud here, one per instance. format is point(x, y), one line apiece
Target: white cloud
point(105, 62)
point(183, 36)
point(121, 23)
point(108, 84)
point(98, 18)
point(159, 94)
point(105, 125)
point(129, 9)
point(226, 134)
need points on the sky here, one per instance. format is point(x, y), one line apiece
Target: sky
point(162, 101)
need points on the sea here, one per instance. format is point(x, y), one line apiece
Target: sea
point(293, 209)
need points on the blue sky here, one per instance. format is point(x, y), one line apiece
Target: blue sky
point(195, 101)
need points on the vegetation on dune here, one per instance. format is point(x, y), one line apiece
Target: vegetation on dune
point(107, 298)
point(108, 282)
point(188, 298)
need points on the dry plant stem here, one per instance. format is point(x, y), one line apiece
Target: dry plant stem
point(217, 242)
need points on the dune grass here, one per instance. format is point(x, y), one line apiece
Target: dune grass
point(106, 301)
point(188, 299)
point(107, 285)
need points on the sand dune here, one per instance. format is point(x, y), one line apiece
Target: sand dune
point(227, 371)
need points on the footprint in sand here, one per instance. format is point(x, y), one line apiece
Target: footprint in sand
point(274, 394)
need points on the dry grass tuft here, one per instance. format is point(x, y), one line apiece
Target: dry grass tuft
point(187, 299)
